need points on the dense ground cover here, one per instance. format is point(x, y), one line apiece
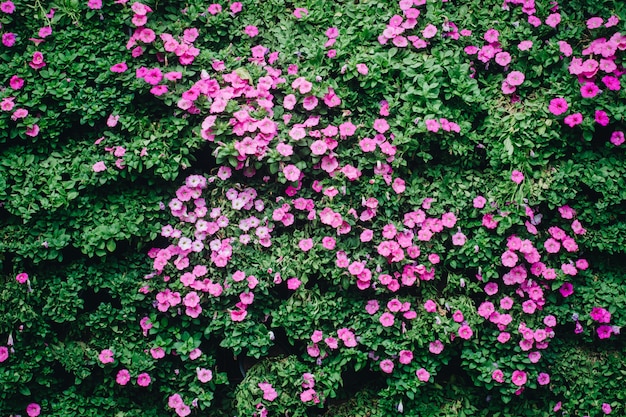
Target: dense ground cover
point(316, 208)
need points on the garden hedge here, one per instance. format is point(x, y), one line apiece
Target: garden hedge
point(267, 208)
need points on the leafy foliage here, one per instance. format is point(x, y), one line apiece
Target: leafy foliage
point(347, 208)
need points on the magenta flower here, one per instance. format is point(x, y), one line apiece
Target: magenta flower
point(121, 67)
point(143, 379)
point(122, 377)
point(7, 7)
point(491, 288)
point(4, 353)
point(604, 332)
point(33, 409)
point(214, 9)
point(566, 289)
point(94, 4)
point(600, 315)
point(558, 106)
point(293, 283)
point(543, 378)
point(602, 118)
point(589, 90)
point(16, 82)
point(22, 277)
point(606, 408)
point(573, 119)
point(617, 138)
point(519, 378)
point(37, 62)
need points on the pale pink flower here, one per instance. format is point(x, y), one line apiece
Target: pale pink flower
point(429, 31)
point(515, 78)
point(251, 31)
point(291, 172)
point(553, 19)
point(479, 202)
point(517, 177)
point(503, 58)
point(422, 374)
point(204, 375)
point(99, 166)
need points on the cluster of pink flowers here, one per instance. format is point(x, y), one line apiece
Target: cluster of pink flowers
point(603, 316)
point(176, 402)
point(397, 26)
point(596, 74)
point(269, 393)
point(433, 125)
point(346, 335)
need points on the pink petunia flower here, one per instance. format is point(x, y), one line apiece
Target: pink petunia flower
point(106, 356)
point(573, 119)
point(517, 177)
point(422, 374)
point(617, 138)
point(122, 377)
point(33, 409)
point(515, 78)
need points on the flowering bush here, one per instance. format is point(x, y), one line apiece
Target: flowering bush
point(395, 207)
